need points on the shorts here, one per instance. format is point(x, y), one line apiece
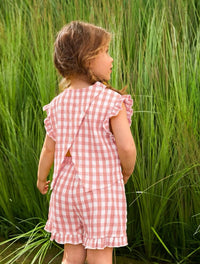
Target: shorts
point(95, 219)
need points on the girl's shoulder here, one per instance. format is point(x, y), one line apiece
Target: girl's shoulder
point(54, 101)
point(91, 91)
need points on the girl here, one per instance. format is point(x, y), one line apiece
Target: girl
point(89, 140)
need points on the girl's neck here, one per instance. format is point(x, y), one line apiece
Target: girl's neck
point(79, 82)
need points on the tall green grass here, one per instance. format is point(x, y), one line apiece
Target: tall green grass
point(156, 51)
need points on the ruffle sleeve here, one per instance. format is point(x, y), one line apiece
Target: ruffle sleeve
point(128, 102)
point(48, 122)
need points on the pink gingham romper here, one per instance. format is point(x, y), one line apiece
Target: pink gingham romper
point(88, 203)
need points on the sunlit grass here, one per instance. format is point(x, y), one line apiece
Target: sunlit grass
point(36, 243)
point(156, 51)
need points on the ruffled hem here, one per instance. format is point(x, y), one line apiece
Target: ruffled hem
point(88, 243)
point(128, 102)
point(101, 243)
point(47, 123)
point(65, 238)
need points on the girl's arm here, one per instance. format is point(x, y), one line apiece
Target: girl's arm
point(125, 142)
point(45, 163)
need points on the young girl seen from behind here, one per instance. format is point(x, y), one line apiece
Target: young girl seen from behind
point(89, 140)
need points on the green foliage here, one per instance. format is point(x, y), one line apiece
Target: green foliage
point(156, 51)
point(37, 243)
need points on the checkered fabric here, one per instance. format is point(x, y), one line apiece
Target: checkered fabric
point(78, 120)
point(96, 219)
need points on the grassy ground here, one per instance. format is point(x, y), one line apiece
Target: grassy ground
point(50, 254)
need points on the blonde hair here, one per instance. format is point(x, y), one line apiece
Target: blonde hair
point(76, 44)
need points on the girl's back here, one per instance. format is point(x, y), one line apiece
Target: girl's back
point(79, 119)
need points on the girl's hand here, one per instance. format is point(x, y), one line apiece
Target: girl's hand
point(125, 179)
point(43, 186)
point(125, 175)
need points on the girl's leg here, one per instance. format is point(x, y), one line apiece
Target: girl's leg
point(74, 254)
point(99, 256)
